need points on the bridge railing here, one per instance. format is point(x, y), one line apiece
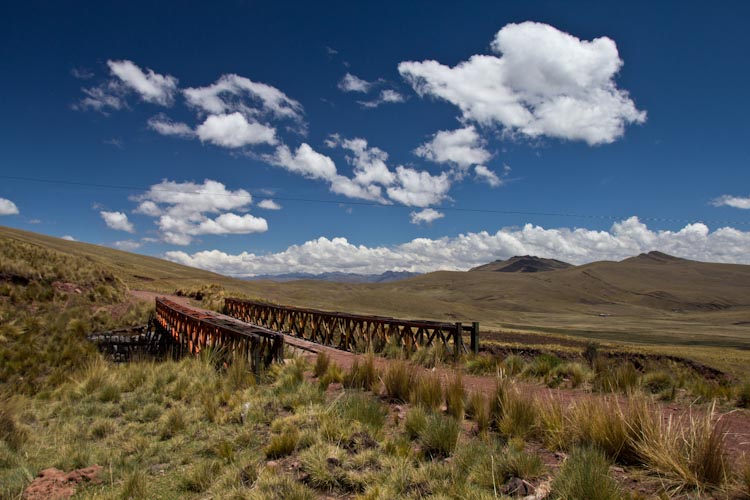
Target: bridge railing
point(194, 331)
point(352, 332)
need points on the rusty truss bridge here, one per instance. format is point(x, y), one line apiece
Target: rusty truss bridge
point(192, 331)
point(353, 332)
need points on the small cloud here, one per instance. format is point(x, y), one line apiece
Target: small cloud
point(352, 83)
point(7, 207)
point(269, 205)
point(484, 174)
point(163, 125)
point(386, 96)
point(331, 51)
point(114, 142)
point(426, 216)
point(117, 221)
point(68, 238)
point(81, 74)
point(127, 245)
point(732, 201)
point(35, 221)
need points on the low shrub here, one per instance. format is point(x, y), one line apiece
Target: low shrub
point(585, 474)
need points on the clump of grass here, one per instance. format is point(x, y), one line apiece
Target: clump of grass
point(109, 393)
point(201, 476)
point(362, 374)
point(745, 479)
point(519, 415)
point(363, 408)
point(430, 356)
point(332, 375)
point(591, 353)
point(398, 381)
point(693, 452)
point(455, 396)
point(210, 405)
point(239, 374)
point(585, 474)
point(439, 436)
point(134, 485)
point(516, 462)
point(497, 400)
point(322, 361)
point(555, 429)
point(657, 382)
point(322, 462)
point(13, 434)
point(270, 485)
point(173, 424)
point(427, 391)
point(743, 395)
point(541, 366)
point(605, 424)
point(575, 373)
point(102, 428)
point(282, 444)
point(620, 377)
point(482, 364)
point(707, 390)
point(478, 409)
point(415, 422)
point(513, 364)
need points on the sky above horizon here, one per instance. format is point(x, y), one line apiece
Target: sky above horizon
point(276, 137)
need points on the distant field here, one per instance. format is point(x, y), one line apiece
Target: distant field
point(650, 300)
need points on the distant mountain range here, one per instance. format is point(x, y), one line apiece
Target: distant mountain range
point(385, 277)
point(523, 264)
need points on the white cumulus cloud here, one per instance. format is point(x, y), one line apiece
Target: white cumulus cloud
point(117, 221)
point(463, 147)
point(732, 201)
point(385, 96)
point(234, 131)
point(127, 245)
point(416, 188)
point(486, 175)
point(426, 216)
point(7, 207)
point(576, 245)
point(180, 210)
point(542, 82)
point(269, 205)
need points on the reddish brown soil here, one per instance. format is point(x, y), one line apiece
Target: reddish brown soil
point(55, 484)
point(736, 422)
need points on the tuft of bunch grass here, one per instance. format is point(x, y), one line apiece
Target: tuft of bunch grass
point(282, 444)
point(513, 364)
point(333, 374)
point(691, 452)
point(134, 485)
point(172, 424)
point(657, 382)
point(427, 391)
point(13, 434)
point(478, 409)
point(743, 395)
point(363, 408)
point(482, 364)
point(575, 373)
point(439, 436)
point(585, 475)
point(362, 374)
point(620, 377)
point(415, 422)
point(555, 430)
point(201, 476)
point(398, 380)
point(322, 361)
point(519, 415)
point(430, 356)
point(455, 396)
point(322, 462)
point(541, 366)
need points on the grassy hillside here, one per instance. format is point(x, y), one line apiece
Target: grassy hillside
point(650, 299)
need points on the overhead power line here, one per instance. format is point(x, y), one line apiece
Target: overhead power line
point(375, 204)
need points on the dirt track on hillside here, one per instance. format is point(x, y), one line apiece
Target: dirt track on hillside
point(736, 422)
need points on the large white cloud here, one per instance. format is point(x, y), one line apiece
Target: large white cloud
point(416, 188)
point(7, 207)
point(732, 201)
point(117, 221)
point(463, 147)
point(234, 131)
point(543, 82)
point(180, 210)
point(578, 246)
point(152, 87)
point(305, 161)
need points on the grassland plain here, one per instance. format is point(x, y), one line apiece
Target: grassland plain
point(185, 429)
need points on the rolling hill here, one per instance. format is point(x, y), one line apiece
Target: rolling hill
point(651, 298)
point(523, 264)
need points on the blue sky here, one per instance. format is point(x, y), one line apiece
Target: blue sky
point(388, 136)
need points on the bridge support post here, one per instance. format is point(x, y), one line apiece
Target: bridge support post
point(458, 342)
point(475, 337)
